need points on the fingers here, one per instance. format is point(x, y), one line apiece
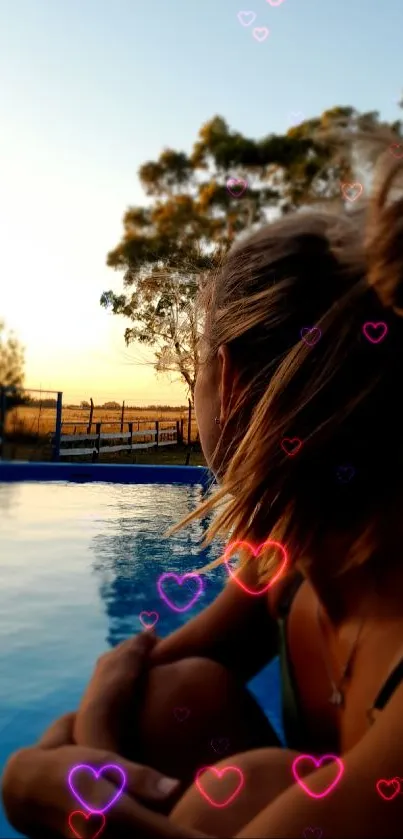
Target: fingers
point(60, 733)
point(143, 782)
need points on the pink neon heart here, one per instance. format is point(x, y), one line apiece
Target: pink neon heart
point(242, 17)
point(275, 2)
point(88, 817)
point(256, 551)
point(148, 615)
point(97, 774)
point(180, 580)
point(220, 745)
point(232, 183)
point(220, 773)
point(260, 33)
point(310, 335)
point(370, 328)
point(384, 783)
point(181, 714)
point(315, 832)
point(317, 763)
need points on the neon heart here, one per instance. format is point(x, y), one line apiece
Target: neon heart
point(388, 795)
point(181, 714)
point(179, 579)
point(243, 15)
point(148, 615)
point(275, 2)
point(397, 146)
point(256, 551)
point(291, 445)
point(357, 188)
point(260, 33)
point(87, 817)
point(310, 335)
point(97, 774)
point(220, 745)
point(345, 473)
point(220, 773)
point(234, 182)
point(312, 833)
point(317, 763)
point(369, 329)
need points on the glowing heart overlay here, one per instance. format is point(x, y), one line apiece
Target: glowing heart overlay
point(317, 763)
point(151, 623)
point(87, 817)
point(370, 329)
point(313, 833)
point(179, 580)
point(97, 774)
point(233, 546)
point(220, 773)
point(388, 795)
point(311, 335)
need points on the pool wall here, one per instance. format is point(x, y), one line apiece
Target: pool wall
point(21, 470)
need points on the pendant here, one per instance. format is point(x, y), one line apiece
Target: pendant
point(337, 697)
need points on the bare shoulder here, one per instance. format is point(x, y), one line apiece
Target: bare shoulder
point(360, 794)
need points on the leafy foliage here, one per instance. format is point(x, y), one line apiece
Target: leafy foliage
point(168, 246)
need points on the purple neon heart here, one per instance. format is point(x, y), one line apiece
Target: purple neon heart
point(179, 579)
point(97, 775)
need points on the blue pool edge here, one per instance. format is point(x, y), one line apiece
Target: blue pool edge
point(21, 470)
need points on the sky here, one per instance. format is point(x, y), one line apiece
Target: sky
point(92, 89)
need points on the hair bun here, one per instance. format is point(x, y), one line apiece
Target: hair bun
point(384, 235)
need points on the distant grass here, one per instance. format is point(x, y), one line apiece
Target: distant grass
point(40, 450)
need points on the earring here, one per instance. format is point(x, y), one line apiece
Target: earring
point(217, 420)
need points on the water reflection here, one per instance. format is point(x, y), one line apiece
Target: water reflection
point(131, 552)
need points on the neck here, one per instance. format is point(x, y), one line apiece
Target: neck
point(374, 588)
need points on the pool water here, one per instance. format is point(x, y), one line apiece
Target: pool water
point(78, 563)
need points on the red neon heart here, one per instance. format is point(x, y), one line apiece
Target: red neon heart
point(88, 817)
point(397, 146)
point(388, 795)
point(219, 773)
point(291, 445)
point(357, 188)
point(256, 551)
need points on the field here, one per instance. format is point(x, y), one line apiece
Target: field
point(29, 430)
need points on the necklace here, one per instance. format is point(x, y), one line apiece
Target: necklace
point(337, 697)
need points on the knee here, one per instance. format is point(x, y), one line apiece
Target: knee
point(187, 681)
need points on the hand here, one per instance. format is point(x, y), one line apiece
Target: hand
point(108, 705)
point(38, 800)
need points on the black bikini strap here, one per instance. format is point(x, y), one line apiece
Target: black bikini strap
point(392, 682)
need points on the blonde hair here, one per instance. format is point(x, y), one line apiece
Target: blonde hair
point(340, 397)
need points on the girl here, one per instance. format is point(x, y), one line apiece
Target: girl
point(300, 414)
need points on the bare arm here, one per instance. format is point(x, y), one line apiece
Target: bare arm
point(354, 807)
point(236, 630)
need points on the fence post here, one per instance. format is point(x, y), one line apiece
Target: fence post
point(90, 419)
point(157, 436)
point(178, 434)
point(130, 424)
point(189, 421)
point(181, 437)
point(58, 429)
point(3, 409)
point(122, 417)
point(95, 455)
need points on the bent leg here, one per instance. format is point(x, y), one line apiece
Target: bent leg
point(193, 713)
point(266, 774)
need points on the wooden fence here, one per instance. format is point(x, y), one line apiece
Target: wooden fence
point(170, 435)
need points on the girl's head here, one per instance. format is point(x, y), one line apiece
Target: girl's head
point(333, 389)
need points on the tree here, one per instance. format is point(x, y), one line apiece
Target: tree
point(168, 247)
point(11, 366)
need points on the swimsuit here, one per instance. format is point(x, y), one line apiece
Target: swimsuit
point(296, 735)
